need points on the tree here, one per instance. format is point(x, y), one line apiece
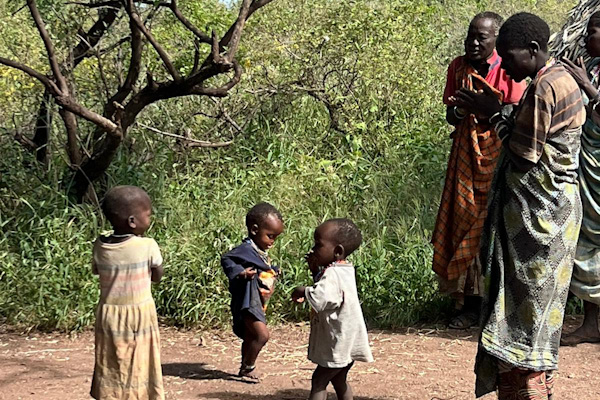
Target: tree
point(132, 95)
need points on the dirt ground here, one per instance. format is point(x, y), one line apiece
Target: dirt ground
point(419, 364)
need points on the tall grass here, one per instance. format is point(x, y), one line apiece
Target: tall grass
point(385, 171)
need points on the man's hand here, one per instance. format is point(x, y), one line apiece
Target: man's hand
point(483, 103)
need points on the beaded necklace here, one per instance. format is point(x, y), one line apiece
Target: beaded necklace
point(261, 253)
point(322, 270)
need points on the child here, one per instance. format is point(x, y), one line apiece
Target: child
point(249, 292)
point(338, 335)
point(127, 363)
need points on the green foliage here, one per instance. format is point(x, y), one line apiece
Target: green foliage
point(379, 65)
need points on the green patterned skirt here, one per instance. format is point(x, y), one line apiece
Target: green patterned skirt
point(527, 252)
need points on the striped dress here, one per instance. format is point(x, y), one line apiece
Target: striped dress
point(127, 364)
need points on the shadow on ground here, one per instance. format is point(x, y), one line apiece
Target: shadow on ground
point(289, 394)
point(196, 371)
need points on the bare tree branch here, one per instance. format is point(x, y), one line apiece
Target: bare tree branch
point(25, 141)
point(134, 16)
point(226, 115)
point(71, 105)
point(256, 4)
point(43, 124)
point(31, 72)
point(191, 142)
point(133, 73)
point(102, 75)
point(92, 37)
point(196, 57)
point(70, 122)
point(238, 26)
point(102, 4)
point(221, 91)
point(113, 46)
point(204, 38)
point(19, 10)
point(39, 22)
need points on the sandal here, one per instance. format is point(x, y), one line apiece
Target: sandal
point(464, 321)
point(248, 375)
point(574, 339)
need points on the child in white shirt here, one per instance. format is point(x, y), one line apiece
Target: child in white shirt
point(338, 334)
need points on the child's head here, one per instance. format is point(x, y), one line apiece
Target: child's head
point(523, 45)
point(592, 37)
point(264, 223)
point(335, 239)
point(128, 208)
point(481, 36)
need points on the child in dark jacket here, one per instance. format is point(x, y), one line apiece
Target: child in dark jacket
point(251, 283)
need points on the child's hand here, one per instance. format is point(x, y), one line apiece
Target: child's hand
point(249, 273)
point(298, 294)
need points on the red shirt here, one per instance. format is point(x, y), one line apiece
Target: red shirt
point(496, 77)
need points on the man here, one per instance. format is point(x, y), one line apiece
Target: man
point(473, 157)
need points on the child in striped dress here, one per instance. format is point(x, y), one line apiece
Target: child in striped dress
point(127, 343)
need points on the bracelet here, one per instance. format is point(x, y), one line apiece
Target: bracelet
point(495, 118)
point(457, 114)
point(502, 133)
point(595, 100)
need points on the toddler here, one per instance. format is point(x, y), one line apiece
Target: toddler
point(338, 334)
point(251, 283)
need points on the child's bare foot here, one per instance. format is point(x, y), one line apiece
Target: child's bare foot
point(249, 374)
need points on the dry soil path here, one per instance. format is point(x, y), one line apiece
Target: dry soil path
point(419, 364)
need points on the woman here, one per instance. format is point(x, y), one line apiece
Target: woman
point(585, 282)
point(530, 235)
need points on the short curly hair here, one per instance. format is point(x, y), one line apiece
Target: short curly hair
point(521, 29)
point(495, 18)
point(595, 20)
point(346, 233)
point(260, 212)
point(122, 201)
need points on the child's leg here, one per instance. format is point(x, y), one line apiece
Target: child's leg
point(256, 336)
point(321, 378)
point(341, 385)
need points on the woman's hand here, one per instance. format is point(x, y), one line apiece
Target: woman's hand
point(578, 72)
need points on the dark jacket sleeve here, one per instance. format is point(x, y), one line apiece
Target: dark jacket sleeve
point(231, 266)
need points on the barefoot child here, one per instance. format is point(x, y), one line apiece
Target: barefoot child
point(338, 335)
point(127, 351)
point(251, 283)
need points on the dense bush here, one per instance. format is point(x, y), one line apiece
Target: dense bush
point(341, 114)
